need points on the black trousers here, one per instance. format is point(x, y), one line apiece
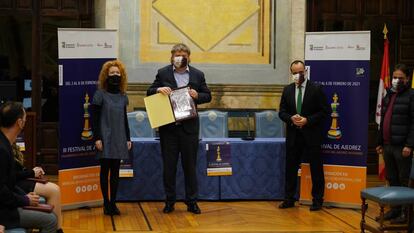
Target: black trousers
point(397, 167)
point(309, 153)
point(175, 142)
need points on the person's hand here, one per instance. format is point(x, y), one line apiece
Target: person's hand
point(38, 171)
point(164, 90)
point(379, 150)
point(33, 198)
point(193, 93)
point(302, 121)
point(98, 145)
point(295, 119)
point(406, 151)
point(129, 145)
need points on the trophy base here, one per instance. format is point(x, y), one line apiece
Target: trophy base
point(334, 134)
point(86, 135)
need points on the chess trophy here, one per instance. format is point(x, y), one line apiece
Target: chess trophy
point(218, 159)
point(334, 132)
point(87, 131)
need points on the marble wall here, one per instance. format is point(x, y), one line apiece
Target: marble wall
point(245, 50)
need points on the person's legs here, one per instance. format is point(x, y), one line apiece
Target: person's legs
point(293, 159)
point(51, 192)
point(403, 169)
point(403, 165)
point(169, 151)
point(316, 168)
point(391, 170)
point(189, 149)
point(114, 180)
point(105, 165)
point(45, 222)
point(318, 179)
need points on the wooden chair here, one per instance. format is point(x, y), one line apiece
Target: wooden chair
point(393, 196)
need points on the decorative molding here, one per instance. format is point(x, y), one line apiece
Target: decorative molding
point(224, 96)
point(242, 88)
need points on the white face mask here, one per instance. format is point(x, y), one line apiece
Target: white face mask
point(295, 78)
point(394, 83)
point(299, 78)
point(398, 84)
point(180, 61)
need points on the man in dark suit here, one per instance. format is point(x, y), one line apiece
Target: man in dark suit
point(181, 137)
point(12, 215)
point(303, 107)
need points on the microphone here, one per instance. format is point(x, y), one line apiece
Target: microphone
point(249, 137)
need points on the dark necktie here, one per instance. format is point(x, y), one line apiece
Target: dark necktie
point(299, 101)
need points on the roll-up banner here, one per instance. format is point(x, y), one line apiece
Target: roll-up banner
point(339, 62)
point(82, 53)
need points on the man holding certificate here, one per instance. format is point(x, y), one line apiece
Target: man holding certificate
point(179, 80)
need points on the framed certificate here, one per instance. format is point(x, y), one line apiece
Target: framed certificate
point(165, 109)
point(182, 104)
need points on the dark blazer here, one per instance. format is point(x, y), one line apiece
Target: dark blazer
point(314, 107)
point(165, 78)
point(10, 197)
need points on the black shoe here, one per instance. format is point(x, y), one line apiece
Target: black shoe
point(287, 204)
point(60, 230)
point(316, 205)
point(168, 208)
point(107, 209)
point(193, 208)
point(390, 214)
point(399, 220)
point(115, 210)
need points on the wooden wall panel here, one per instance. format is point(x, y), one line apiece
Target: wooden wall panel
point(7, 4)
point(49, 4)
point(24, 4)
point(406, 50)
point(328, 6)
point(70, 4)
point(348, 7)
point(372, 7)
point(390, 7)
point(29, 140)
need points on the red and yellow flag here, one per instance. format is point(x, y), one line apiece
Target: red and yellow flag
point(383, 85)
point(412, 81)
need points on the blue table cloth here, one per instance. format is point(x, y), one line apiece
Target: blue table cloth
point(258, 171)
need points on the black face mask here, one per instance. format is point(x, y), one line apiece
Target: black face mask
point(113, 82)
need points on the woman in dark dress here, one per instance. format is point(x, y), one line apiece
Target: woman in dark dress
point(110, 129)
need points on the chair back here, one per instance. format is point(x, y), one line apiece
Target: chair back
point(268, 124)
point(213, 124)
point(139, 125)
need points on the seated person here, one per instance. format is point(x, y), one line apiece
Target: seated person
point(48, 190)
point(12, 199)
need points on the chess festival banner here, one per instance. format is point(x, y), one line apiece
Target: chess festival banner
point(219, 159)
point(339, 62)
point(82, 53)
